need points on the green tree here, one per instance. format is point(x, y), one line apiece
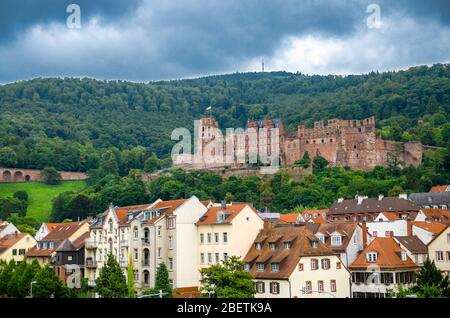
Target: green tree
point(305, 162)
point(320, 163)
point(130, 279)
point(162, 281)
point(6, 273)
point(430, 279)
point(111, 282)
point(51, 176)
point(227, 280)
point(48, 284)
point(8, 157)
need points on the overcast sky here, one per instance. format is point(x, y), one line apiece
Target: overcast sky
point(144, 40)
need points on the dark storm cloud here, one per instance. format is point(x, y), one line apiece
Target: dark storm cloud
point(18, 15)
point(160, 39)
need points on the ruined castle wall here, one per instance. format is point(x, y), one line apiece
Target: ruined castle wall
point(28, 175)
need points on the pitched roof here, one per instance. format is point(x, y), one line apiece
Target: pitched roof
point(63, 231)
point(439, 215)
point(388, 255)
point(301, 245)
point(122, 212)
point(433, 227)
point(169, 206)
point(210, 216)
point(391, 216)
point(319, 212)
point(318, 219)
point(290, 218)
point(10, 240)
point(373, 205)
point(443, 188)
point(346, 229)
point(412, 244)
point(431, 198)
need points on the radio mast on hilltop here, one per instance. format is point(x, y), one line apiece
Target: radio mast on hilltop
point(263, 65)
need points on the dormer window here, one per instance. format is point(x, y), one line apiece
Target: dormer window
point(403, 256)
point(247, 267)
point(110, 224)
point(372, 257)
point(275, 267)
point(258, 246)
point(315, 244)
point(336, 240)
point(260, 267)
point(321, 237)
point(272, 246)
point(287, 245)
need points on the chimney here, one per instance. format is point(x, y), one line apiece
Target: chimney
point(409, 229)
point(223, 205)
point(364, 234)
point(380, 197)
point(340, 200)
point(360, 199)
point(403, 196)
point(267, 225)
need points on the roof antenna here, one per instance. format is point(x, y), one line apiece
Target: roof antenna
point(263, 65)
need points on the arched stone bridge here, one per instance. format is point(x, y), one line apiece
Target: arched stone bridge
point(27, 175)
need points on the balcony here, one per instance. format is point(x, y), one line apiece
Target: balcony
point(146, 263)
point(145, 242)
point(123, 263)
point(90, 244)
point(90, 263)
point(124, 243)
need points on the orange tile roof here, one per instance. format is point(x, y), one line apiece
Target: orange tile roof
point(312, 212)
point(210, 216)
point(388, 255)
point(318, 219)
point(290, 218)
point(433, 227)
point(391, 216)
point(443, 188)
point(170, 205)
point(10, 240)
point(439, 215)
point(122, 212)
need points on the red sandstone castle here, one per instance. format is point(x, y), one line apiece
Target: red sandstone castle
point(351, 143)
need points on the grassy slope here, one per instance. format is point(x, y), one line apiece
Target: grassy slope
point(40, 195)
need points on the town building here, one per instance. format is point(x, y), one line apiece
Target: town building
point(147, 235)
point(382, 266)
point(414, 247)
point(367, 209)
point(443, 188)
point(433, 215)
point(389, 224)
point(7, 228)
point(45, 250)
point(15, 246)
point(343, 238)
point(427, 231)
point(227, 230)
point(291, 262)
point(70, 258)
point(435, 200)
point(439, 250)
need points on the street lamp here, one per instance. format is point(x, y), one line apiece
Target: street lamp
point(31, 287)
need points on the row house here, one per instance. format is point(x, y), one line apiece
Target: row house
point(344, 238)
point(434, 200)
point(14, 246)
point(45, 250)
point(433, 215)
point(147, 235)
point(427, 231)
point(227, 230)
point(7, 228)
point(367, 209)
point(439, 250)
point(414, 247)
point(70, 258)
point(382, 266)
point(291, 262)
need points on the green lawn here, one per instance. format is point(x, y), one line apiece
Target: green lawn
point(40, 195)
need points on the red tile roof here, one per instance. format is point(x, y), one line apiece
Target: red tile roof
point(438, 215)
point(122, 212)
point(170, 206)
point(388, 255)
point(443, 188)
point(290, 218)
point(63, 231)
point(210, 216)
point(10, 240)
point(433, 227)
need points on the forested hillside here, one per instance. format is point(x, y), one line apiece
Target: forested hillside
point(81, 124)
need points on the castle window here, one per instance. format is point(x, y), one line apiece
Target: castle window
point(307, 141)
point(323, 141)
point(359, 129)
point(354, 146)
point(331, 140)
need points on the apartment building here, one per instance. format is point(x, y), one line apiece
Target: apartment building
point(382, 266)
point(14, 246)
point(150, 234)
point(291, 262)
point(439, 250)
point(227, 230)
